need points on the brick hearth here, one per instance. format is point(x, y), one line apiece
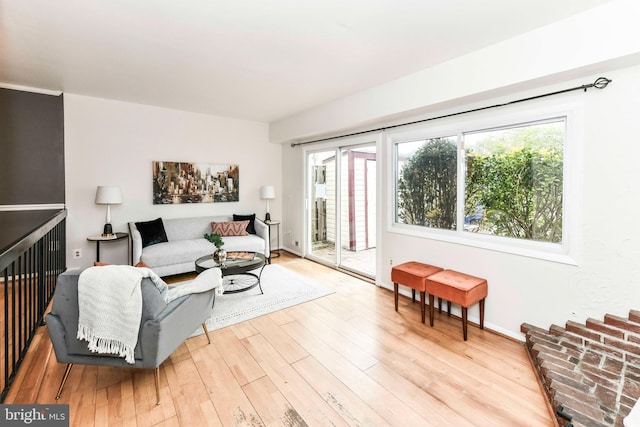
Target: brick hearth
point(591, 371)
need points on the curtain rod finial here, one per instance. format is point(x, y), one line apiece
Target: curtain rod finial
point(601, 82)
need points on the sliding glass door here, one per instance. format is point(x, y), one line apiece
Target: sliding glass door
point(341, 184)
point(321, 188)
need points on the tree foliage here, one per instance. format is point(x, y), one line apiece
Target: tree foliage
point(513, 178)
point(517, 180)
point(427, 185)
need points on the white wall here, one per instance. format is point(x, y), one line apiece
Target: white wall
point(578, 46)
point(606, 279)
point(521, 289)
point(114, 143)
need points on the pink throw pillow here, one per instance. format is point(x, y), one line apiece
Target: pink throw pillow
point(231, 228)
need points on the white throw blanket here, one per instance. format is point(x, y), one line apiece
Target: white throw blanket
point(110, 308)
point(208, 279)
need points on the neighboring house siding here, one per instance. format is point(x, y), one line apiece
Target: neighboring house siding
point(331, 200)
point(355, 183)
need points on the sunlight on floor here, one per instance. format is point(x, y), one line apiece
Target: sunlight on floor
point(361, 261)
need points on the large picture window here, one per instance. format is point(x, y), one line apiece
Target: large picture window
point(427, 175)
point(500, 185)
point(513, 181)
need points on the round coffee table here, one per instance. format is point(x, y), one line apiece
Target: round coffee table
point(237, 275)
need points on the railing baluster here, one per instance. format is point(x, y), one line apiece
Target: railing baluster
point(5, 352)
point(13, 335)
point(28, 271)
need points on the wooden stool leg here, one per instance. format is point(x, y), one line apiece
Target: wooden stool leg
point(439, 305)
point(482, 313)
point(449, 308)
point(431, 309)
point(464, 322)
point(422, 305)
point(395, 294)
point(413, 295)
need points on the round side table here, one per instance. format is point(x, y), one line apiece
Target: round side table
point(106, 239)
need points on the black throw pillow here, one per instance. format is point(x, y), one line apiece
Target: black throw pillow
point(152, 232)
point(250, 228)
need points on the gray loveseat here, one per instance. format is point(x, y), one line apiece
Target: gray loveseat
point(185, 243)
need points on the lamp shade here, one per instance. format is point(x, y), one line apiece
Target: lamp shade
point(108, 195)
point(268, 192)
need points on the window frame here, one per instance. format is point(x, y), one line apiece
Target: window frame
point(566, 252)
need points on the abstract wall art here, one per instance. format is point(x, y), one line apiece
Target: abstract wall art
point(184, 182)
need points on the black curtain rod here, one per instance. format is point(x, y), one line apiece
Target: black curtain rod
point(600, 83)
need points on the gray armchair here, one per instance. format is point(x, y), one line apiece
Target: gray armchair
point(163, 327)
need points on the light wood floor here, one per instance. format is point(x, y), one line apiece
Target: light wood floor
point(344, 359)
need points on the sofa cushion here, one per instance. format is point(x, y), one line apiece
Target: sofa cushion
point(190, 228)
point(187, 251)
point(152, 232)
point(251, 229)
point(231, 228)
point(176, 252)
point(249, 243)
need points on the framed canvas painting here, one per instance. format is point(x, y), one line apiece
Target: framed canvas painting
point(183, 182)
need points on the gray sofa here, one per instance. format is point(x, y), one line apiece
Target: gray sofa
point(163, 326)
point(185, 243)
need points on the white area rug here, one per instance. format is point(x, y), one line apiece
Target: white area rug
point(282, 288)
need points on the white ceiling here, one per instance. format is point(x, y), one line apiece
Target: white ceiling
point(249, 59)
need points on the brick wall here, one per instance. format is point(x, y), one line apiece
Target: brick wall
point(590, 372)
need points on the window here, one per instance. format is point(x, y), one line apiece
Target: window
point(427, 175)
point(501, 187)
point(513, 181)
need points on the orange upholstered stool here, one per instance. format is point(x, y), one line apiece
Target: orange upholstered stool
point(458, 288)
point(414, 275)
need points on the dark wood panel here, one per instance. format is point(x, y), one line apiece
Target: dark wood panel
point(15, 225)
point(31, 148)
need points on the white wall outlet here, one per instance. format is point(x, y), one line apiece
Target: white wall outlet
point(77, 253)
point(390, 261)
